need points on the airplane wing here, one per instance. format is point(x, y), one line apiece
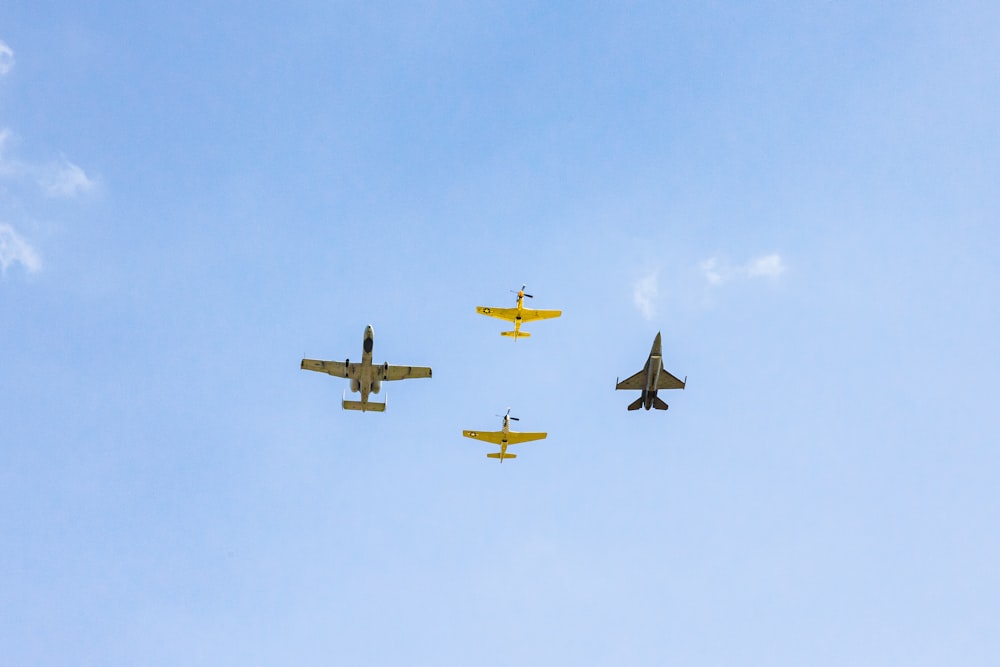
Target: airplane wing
point(496, 437)
point(337, 368)
point(403, 372)
point(532, 315)
point(637, 381)
point(514, 437)
point(509, 314)
point(668, 381)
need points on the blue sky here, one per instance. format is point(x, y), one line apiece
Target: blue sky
point(802, 198)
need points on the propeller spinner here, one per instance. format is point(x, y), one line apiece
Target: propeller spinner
point(507, 416)
point(520, 293)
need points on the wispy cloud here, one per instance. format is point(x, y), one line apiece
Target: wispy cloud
point(6, 58)
point(710, 269)
point(718, 272)
point(644, 293)
point(768, 266)
point(64, 179)
point(13, 249)
point(61, 178)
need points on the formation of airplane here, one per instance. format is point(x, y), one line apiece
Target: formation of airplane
point(518, 314)
point(504, 437)
point(650, 379)
point(367, 378)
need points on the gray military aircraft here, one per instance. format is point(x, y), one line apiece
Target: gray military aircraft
point(365, 377)
point(651, 378)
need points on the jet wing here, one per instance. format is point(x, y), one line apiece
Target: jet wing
point(668, 381)
point(637, 381)
point(403, 372)
point(532, 315)
point(513, 437)
point(339, 369)
point(496, 437)
point(509, 314)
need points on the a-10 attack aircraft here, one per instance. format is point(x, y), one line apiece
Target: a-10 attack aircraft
point(365, 377)
point(518, 315)
point(503, 438)
point(651, 378)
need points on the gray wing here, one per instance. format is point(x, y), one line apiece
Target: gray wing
point(339, 369)
point(391, 373)
point(668, 381)
point(637, 381)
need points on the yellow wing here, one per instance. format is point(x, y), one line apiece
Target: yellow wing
point(496, 437)
point(509, 314)
point(513, 437)
point(532, 315)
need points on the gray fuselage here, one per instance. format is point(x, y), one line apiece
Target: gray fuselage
point(654, 364)
point(366, 374)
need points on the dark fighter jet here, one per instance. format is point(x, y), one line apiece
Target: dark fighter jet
point(651, 378)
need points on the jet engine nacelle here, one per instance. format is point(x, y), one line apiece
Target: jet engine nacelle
point(376, 386)
point(355, 385)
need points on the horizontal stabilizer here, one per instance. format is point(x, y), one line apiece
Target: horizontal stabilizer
point(369, 406)
point(636, 404)
point(516, 334)
point(659, 404)
point(497, 455)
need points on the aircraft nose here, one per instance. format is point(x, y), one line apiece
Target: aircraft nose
point(369, 331)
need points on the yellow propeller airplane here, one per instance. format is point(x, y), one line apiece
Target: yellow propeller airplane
point(503, 438)
point(518, 315)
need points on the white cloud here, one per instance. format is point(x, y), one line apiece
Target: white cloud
point(13, 248)
point(718, 272)
point(6, 58)
point(709, 269)
point(768, 266)
point(61, 178)
point(644, 293)
point(56, 179)
point(65, 180)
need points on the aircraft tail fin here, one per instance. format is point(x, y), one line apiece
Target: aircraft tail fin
point(636, 404)
point(515, 335)
point(497, 455)
point(370, 406)
point(659, 404)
